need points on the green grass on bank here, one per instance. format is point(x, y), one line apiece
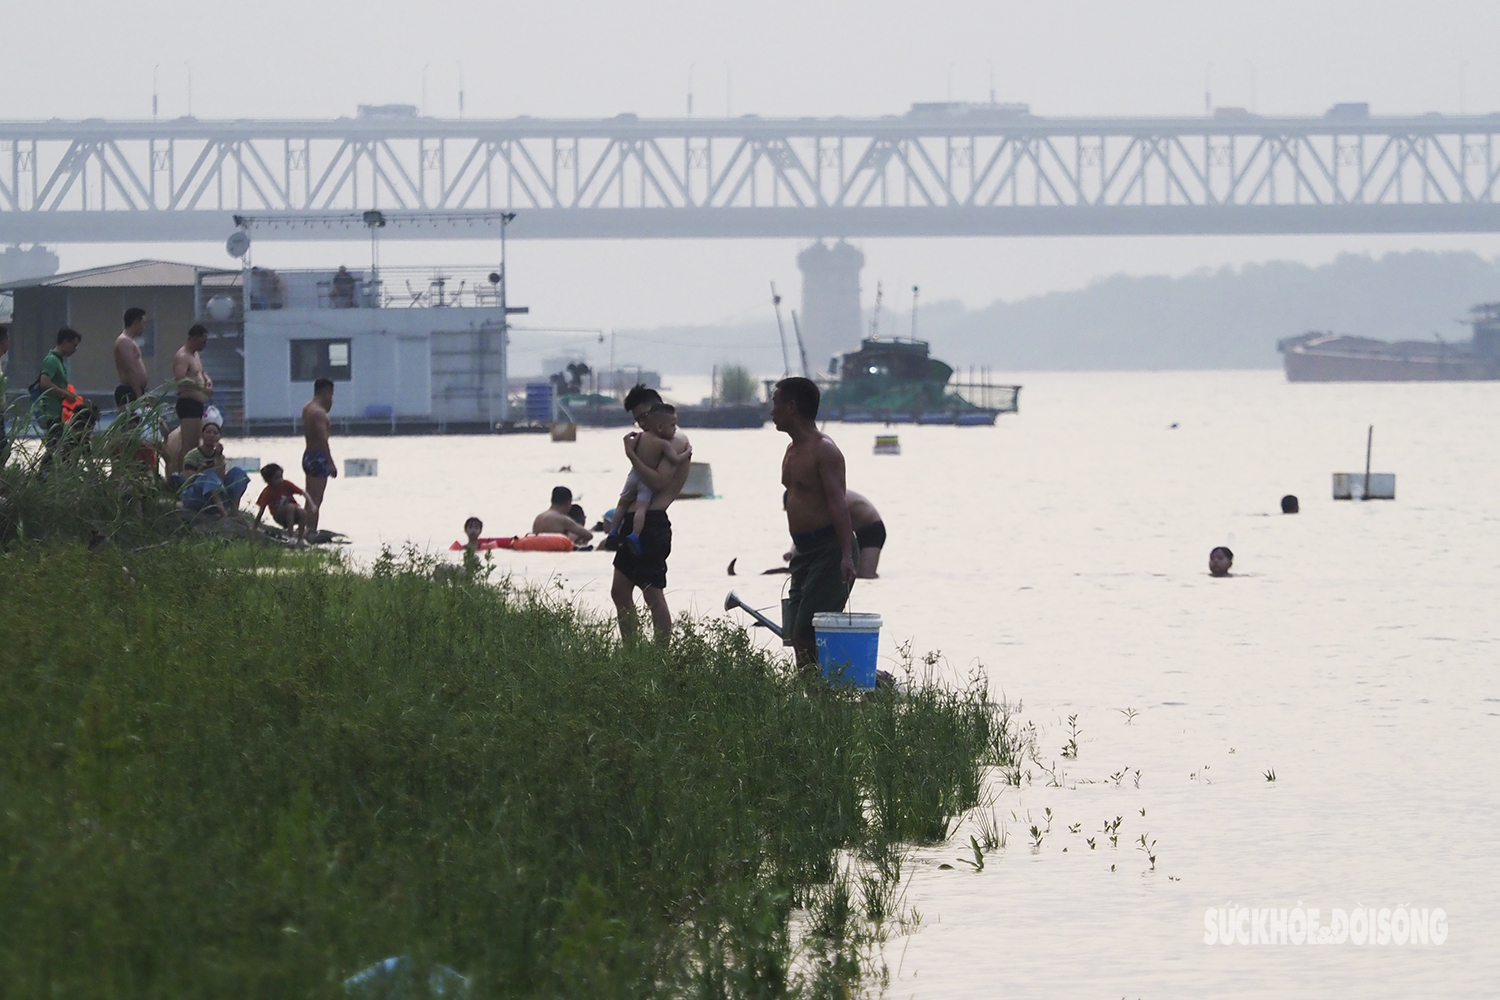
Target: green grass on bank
point(222, 782)
point(96, 485)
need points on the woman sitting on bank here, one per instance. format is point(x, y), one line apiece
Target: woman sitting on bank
point(210, 486)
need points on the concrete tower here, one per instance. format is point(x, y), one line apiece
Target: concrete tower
point(832, 322)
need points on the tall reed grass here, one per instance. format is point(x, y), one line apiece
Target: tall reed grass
point(232, 777)
point(94, 487)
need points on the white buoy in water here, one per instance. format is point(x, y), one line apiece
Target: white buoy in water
point(700, 482)
point(355, 468)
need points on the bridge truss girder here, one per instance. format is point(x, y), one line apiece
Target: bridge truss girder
point(621, 178)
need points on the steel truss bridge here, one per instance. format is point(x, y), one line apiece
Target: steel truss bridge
point(974, 173)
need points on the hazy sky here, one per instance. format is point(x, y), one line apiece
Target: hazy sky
point(273, 58)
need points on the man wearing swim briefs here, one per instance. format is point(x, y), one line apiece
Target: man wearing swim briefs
point(317, 459)
point(817, 515)
point(869, 531)
point(128, 363)
point(647, 569)
point(193, 389)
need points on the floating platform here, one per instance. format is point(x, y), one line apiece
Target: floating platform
point(1351, 486)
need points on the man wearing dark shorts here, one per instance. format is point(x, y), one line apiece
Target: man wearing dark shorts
point(317, 458)
point(817, 515)
point(193, 389)
point(869, 531)
point(128, 362)
point(817, 584)
point(647, 569)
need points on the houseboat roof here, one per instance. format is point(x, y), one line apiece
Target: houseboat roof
point(134, 274)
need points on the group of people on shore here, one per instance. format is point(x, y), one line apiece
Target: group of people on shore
point(837, 534)
point(190, 455)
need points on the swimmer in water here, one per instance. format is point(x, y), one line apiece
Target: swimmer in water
point(1219, 561)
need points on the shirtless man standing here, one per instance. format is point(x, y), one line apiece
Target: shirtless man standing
point(817, 514)
point(317, 460)
point(128, 363)
point(647, 569)
point(193, 389)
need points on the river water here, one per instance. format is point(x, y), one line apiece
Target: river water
point(1353, 654)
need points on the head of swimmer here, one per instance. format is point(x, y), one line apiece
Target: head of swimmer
point(323, 392)
point(661, 420)
point(1219, 561)
point(639, 400)
point(472, 527)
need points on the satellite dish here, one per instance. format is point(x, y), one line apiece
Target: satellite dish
point(238, 243)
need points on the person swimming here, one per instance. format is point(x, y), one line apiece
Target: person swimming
point(1219, 561)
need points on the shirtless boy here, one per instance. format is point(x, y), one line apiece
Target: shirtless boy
point(817, 514)
point(317, 460)
point(128, 363)
point(647, 569)
point(193, 389)
point(660, 422)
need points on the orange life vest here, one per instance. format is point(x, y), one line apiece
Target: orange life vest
point(70, 405)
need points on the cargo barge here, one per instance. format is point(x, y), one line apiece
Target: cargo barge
point(1329, 357)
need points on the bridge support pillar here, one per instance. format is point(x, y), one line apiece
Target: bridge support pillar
point(831, 317)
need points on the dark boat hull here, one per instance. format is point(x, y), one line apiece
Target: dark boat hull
point(1359, 359)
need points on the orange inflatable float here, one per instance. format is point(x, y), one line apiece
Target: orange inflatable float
point(545, 542)
point(485, 544)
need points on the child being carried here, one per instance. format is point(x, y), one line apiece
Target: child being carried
point(661, 422)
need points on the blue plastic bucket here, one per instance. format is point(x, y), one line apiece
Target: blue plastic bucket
point(848, 643)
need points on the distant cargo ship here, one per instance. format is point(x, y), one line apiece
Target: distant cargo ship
point(1328, 357)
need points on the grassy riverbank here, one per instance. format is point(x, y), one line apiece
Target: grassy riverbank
point(231, 782)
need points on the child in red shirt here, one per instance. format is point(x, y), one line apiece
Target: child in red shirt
point(281, 497)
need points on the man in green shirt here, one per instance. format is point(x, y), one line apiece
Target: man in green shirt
point(66, 417)
point(54, 380)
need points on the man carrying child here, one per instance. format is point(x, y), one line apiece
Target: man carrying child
point(659, 424)
point(664, 475)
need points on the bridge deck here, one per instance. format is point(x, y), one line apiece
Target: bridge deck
point(979, 171)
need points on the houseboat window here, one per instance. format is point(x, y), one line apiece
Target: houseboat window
point(315, 359)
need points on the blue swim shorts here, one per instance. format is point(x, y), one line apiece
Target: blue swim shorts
point(315, 464)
